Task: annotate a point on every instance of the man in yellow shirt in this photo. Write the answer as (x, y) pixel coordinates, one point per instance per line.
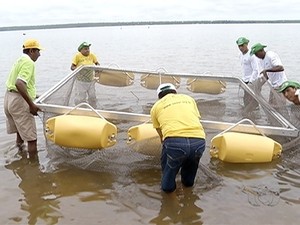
(177, 121)
(19, 106)
(85, 83)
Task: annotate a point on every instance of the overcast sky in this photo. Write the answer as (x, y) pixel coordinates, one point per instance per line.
(39, 12)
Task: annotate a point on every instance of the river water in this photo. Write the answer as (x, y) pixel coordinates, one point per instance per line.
(236, 194)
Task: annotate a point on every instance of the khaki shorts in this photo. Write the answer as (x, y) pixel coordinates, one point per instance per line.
(19, 119)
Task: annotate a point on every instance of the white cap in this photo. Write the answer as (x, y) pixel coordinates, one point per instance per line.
(164, 87)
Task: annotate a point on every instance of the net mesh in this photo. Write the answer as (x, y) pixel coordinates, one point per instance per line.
(228, 102)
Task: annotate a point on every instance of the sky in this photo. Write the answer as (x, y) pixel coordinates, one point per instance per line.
(44, 12)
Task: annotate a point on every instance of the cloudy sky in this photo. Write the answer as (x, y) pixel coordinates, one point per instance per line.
(38, 12)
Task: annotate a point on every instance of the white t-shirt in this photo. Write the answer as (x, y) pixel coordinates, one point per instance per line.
(298, 93)
(271, 60)
(250, 66)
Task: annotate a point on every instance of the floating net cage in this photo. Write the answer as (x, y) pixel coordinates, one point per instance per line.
(124, 98)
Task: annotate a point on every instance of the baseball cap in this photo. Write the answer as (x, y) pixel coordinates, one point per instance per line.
(165, 87)
(242, 40)
(287, 84)
(82, 45)
(257, 47)
(32, 43)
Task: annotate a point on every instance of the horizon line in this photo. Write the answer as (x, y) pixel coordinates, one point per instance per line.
(99, 24)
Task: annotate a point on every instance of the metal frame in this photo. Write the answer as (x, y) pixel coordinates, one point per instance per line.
(287, 128)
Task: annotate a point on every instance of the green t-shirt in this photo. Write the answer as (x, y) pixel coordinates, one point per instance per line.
(23, 69)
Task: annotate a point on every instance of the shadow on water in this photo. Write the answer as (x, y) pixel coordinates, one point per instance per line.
(179, 209)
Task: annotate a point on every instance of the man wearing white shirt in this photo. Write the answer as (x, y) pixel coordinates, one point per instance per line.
(249, 63)
(272, 66)
(291, 91)
(250, 69)
(273, 72)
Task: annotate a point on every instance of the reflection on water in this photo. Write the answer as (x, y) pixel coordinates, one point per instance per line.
(42, 191)
(137, 191)
(289, 176)
(179, 208)
(37, 193)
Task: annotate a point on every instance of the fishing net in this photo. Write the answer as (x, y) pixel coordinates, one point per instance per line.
(124, 98)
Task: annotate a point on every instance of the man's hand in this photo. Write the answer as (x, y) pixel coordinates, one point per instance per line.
(264, 73)
(34, 109)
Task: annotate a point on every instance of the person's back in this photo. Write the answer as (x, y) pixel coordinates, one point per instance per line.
(177, 121)
(178, 116)
(271, 60)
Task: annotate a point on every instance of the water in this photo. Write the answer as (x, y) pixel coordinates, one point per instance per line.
(248, 194)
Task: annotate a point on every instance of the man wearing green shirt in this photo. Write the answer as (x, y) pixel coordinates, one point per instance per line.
(19, 107)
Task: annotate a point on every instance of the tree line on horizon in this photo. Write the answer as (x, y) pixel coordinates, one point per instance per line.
(100, 24)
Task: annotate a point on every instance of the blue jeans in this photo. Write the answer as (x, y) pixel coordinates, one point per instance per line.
(184, 153)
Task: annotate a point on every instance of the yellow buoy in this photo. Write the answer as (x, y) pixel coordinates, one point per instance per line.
(84, 132)
(144, 139)
(206, 86)
(114, 78)
(244, 148)
(153, 81)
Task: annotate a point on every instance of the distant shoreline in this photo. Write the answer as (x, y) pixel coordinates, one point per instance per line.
(106, 24)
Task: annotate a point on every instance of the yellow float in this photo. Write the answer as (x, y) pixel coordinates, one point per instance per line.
(238, 147)
(77, 131)
(244, 148)
(206, 86)
(114, 78)
(153, 81)
(144, 139)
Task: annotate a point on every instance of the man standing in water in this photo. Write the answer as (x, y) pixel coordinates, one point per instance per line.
(273, 70)
(250, 67)
(85, 82)
(177, 121)
(19, 107)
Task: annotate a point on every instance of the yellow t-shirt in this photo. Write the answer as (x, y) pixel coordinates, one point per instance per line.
(177, 115)
(81, 60)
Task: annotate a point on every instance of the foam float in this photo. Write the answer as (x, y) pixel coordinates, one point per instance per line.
(151, 81)
(144, 139)
(206, 86)
(114, 78)
(84, 132)
(238, 147)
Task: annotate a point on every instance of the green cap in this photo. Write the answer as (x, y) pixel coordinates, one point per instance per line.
(257, 47)
(242, 40)
(287, 84)
(82, 45)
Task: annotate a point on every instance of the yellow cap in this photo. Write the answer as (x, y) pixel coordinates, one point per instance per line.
(32, 43)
